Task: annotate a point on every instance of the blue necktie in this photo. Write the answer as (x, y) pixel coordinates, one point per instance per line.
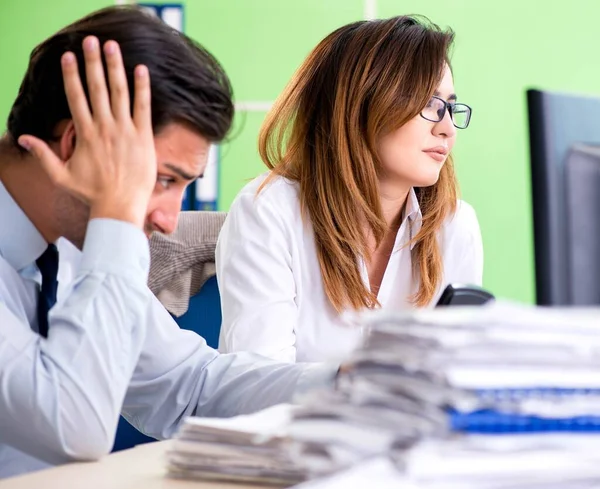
(48, 265)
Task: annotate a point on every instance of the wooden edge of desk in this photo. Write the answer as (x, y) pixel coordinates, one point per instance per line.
(143, 466)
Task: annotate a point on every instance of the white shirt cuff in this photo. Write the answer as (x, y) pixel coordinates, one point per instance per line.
(315, 376)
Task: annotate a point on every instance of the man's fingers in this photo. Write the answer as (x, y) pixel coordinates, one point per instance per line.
(142, 116)
(119, 91)
(96, 80)
(78, 104)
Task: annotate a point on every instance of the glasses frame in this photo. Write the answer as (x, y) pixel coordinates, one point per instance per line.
(450, 107)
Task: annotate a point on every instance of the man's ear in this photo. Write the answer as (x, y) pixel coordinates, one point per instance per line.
(68, 138)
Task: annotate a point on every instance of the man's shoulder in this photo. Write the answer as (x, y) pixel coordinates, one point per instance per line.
(8, 275)
(12, 288)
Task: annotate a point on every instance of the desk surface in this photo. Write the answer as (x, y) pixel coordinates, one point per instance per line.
(142, 467)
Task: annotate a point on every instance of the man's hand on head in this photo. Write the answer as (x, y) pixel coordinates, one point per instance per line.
(113, 165)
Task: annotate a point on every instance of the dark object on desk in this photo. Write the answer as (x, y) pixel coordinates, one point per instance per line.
(464, 295)
(565, 182)
(583, 200)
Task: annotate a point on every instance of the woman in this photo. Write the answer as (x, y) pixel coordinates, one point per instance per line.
(359, 208)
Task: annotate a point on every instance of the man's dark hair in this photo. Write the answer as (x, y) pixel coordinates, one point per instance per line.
(188, 84)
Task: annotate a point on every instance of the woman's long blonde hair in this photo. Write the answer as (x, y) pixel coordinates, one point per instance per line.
(361, 82)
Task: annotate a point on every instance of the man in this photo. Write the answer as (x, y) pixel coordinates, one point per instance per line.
(99, 171)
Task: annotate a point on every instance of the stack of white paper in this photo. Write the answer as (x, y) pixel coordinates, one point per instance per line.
(427, 382)
(244, 448)
(506, 461)
(495, 397)
(476, 462)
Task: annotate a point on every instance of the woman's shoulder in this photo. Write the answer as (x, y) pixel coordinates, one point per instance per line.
(463, 221)
(464, 212)
(269, 199)
(271, 191)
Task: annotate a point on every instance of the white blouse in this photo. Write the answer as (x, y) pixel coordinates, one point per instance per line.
(272, 296)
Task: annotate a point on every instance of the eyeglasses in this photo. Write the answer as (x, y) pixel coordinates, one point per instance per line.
(435, 111)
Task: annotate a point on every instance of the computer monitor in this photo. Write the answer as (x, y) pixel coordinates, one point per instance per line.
(565, 176)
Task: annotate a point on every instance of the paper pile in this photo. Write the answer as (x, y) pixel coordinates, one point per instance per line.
(465, 398)
(245, 449)
(495, 397)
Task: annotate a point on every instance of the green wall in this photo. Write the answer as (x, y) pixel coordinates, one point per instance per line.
(24, 24)
(502, 48)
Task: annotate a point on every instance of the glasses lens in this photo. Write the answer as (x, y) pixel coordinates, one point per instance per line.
(434, 111)
(461, 114)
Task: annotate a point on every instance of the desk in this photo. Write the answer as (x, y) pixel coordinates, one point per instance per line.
(141, 467)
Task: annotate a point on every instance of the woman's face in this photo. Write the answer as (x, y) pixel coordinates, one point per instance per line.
(414, 154)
